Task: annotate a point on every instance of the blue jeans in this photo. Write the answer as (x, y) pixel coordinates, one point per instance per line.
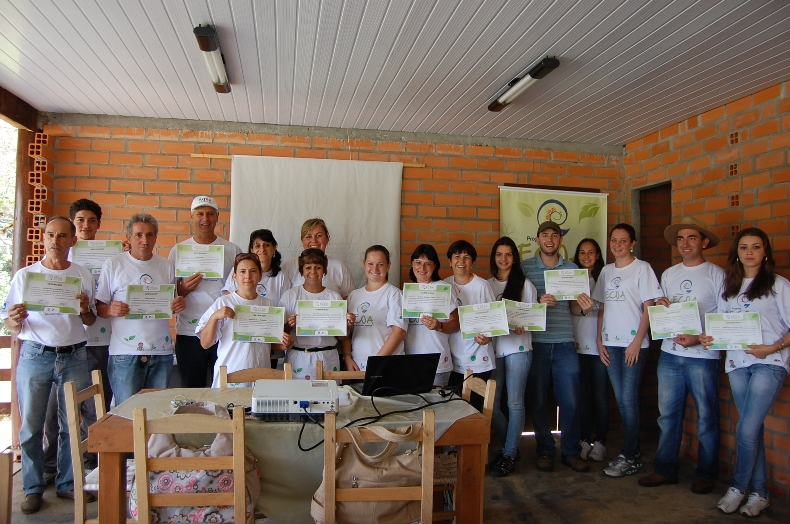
(129, 374)
(511, 372)
(626, 381)
(678, 376)
(754, 390)
(36, 371)
(560, 361)
(593, 399)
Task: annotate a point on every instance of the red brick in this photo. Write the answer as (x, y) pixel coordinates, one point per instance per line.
(236, 138)
(767, 94)
(291, 141)
(278, 151)
(418, 198)
(431, 211)
(164, 160)
(650, 139)
(566, 156)
(420, 147)
(766, 128)
(108, 145)
(770, 160)
(323, 142)
(109, 199)
(633, 146)
(680, 141)
(491, 164)
(394, 147)
(464, 212)
(509, 152)
(447, 174)
(355, 143)
(92, 157)
(537, 154)
(209, 175)
(126, 159)
(144, 147)
(162, 134)
(435, 185)
(714, 144)
(162, 188)
(480, 150)
(188, 161)
(463, 162)
(739, 105)
(713, 114)
(126, 186)
(780, 141)
(704, 132)
(80, 144)
(309, 153)
(55, 130)
(94, 132)
(416, 172)
(91, 184)
(746, 118)
(772, 194)
(354, 155)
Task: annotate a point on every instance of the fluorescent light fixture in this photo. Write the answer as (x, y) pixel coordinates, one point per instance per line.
(212, 53)
(518, 85)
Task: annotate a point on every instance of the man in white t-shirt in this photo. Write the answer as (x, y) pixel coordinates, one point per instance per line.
(141, 351)
(52, 351)
(685, 366)
(195, 364)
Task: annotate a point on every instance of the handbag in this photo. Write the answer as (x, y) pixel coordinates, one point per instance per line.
(356, 468)
(197, 481)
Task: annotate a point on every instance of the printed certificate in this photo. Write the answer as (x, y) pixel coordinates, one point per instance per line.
(321, 318)
(531, 317)
(567, 284)
(680, 318)
(258, 323)
(427, 299)
(149, 302)
(199, 258)
(93, 253)
(489, 319)
(733, 330)
(51, 294)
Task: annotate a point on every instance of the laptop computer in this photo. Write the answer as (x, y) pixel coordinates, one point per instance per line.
(399, 375)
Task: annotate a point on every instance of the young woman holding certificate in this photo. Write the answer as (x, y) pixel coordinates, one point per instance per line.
(216, 324)
(624, 291)
(379, 327)
(757, 374)
(273, 280)
(428, 334)
(513, 354)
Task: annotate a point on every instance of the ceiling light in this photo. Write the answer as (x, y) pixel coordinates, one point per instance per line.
(519, 85)
(212, 53)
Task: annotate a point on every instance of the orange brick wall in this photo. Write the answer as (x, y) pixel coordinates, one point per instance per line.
(729, 167)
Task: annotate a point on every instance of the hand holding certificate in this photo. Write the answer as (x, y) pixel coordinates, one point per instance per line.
(427, 299)
(258, 323)
(488, 319)
(321, 318)
(680, 318)
(199, 258)
(532, 317)
(733, 330)
(149, 302)
(567, 284)
(51, 294)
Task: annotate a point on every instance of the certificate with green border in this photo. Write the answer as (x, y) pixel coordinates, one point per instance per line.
(733, 330)
(199, 258)
(489, 319)
(52, 294)
(149, 301)
(321, 318)
(93, 253)
(531, 316)
(427, 299)
(258, 323)
(567, 284)
(680, 318)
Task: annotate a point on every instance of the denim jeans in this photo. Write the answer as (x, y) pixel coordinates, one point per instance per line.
(678, 376)
(754, 390)
(36, 371)
(129, 374)
(593, 399)
(560, 361)
(511, 372)
(195, 364)
(626, 382)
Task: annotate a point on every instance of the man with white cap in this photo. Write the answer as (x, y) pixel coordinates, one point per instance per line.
(685, 366)
(195, 364)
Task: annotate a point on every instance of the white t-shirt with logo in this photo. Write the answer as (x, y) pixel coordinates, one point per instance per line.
(585, 328)
(135, 337)
(269, 287)
(377, 312)
(234, 354)
(468, 354)
(420, 340)
(774, 312)
(209, 289)
(702, 283)
(50, 329)
(337, 278)
(512, 343)
(623, 291)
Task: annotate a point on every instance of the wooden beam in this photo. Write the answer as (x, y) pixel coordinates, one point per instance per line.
(17, 112)
(207, 155)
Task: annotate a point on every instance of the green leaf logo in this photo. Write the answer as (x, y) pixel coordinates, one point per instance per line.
(298, 370)
(473, 358)
(130, 338)
(167, 338)
(589, 211)
(525, 209)
(193, 321)
(334, 368)
(103, 330)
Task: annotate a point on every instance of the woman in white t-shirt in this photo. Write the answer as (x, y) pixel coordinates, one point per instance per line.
(379, 328)
(624, 291)
(593, 376)
(428, 334)
(273, 282)
(308, 350)
(216, 324)
(757, 374)
(513, 354)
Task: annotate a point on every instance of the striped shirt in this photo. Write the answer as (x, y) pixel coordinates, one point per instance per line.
(559, 327)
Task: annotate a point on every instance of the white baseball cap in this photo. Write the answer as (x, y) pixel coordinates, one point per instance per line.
(200, 201)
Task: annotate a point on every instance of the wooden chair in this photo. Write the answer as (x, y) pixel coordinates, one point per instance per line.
(83, 483)
(253, 374)
(186, 424)
(320, 374)
(423, 492)
(6, 482)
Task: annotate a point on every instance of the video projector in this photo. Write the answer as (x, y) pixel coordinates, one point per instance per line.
(292, 400)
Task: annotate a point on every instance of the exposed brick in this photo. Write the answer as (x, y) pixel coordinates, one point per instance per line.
(94, 132)
(108, 145)
(162, 134)
(126, 159)
(479, 150)
(144, 147)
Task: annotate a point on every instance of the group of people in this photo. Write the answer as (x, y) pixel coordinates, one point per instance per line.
(589, 343)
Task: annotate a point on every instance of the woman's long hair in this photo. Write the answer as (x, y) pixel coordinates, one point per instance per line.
(515, 279)
(429, 252)
(596, 270)
(264, 235)
(734, 274)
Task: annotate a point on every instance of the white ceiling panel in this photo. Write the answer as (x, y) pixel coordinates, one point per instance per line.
(627, 67)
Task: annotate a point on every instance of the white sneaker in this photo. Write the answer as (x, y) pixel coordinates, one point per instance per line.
(755, 505)
(598, 452)
(731, 500)
(586, 448)
(620, 467)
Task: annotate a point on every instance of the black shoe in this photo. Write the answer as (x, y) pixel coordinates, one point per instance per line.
(545, 463)
(576, 463)
(503, 467)
(89, 497)
(32, 503)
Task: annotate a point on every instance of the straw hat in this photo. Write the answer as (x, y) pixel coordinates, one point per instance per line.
(671, 232)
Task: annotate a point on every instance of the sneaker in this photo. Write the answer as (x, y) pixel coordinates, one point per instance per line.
(620, 467)
(638, 460)
(545, 463)
(576, 463)
(731, 500)
(586, 448)
(502, 468)
(598, 452)
(755, 505)
(32, 503)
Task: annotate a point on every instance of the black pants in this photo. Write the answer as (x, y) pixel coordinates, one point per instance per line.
(195, 364)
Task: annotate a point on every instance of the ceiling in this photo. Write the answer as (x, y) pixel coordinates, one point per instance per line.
(627, 68)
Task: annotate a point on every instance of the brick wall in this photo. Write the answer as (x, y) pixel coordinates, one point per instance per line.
(729, 167)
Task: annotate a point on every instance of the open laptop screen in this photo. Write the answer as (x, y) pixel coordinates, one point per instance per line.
(400, 374)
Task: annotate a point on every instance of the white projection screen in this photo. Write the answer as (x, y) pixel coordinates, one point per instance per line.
(359, 201)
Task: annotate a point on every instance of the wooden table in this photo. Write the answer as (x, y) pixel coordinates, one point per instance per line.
(111, 438)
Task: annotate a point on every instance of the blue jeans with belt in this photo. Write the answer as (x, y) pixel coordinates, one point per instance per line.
(131, 373)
